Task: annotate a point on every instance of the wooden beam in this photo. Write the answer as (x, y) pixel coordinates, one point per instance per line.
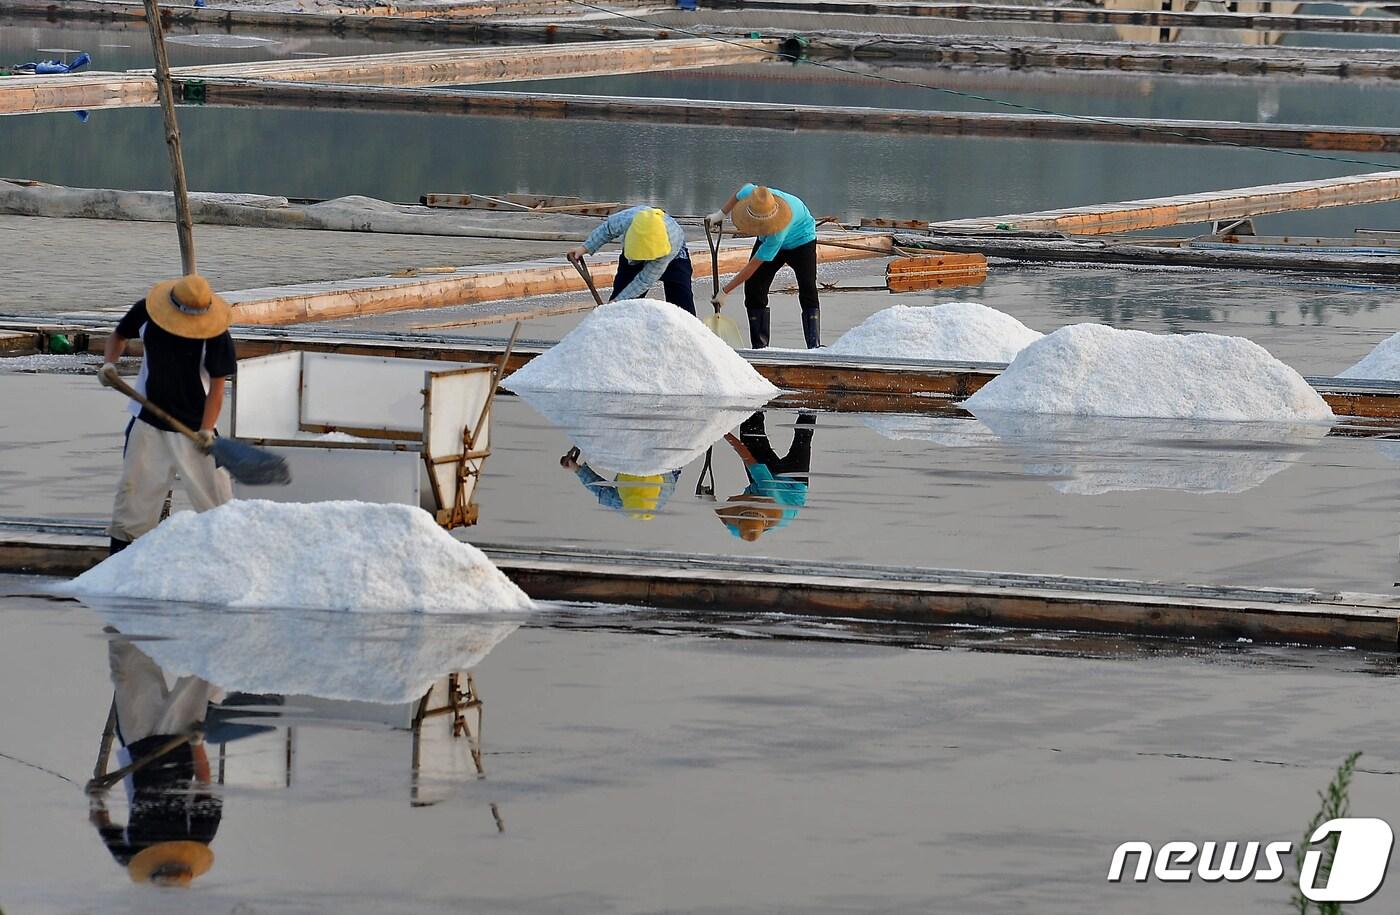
(774, 116)
(1159, 212)
(487, 283)
(1067, 15)
(75, 92)
(459, 66)
(907, 596)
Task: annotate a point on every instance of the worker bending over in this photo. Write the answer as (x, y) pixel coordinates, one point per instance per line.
(785, 235)
(653, 248)
(188, 354)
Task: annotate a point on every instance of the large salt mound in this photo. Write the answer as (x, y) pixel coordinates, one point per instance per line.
(325, 555)
(953, 331)
(1380, 364)
(1093, 370)
(640, 346)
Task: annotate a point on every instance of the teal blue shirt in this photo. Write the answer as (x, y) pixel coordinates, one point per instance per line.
(801, 229)
(788, 494)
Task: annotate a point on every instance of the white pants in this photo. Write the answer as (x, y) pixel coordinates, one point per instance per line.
(153, 458)
(145, 706)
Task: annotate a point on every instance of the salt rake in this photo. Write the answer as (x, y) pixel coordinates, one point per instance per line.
(582, 269)
(723, 327)
(246, 464)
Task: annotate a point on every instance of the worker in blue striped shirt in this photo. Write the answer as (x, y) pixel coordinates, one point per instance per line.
(653, 248)
(785, 234)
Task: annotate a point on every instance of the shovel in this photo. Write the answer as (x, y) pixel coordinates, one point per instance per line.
(723, 328)
(705, 486)
(246, 464)
(582, 269)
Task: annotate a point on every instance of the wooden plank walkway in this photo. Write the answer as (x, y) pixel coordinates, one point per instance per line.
(75, 92)
(280, 305)
(460, 66)
(1159, 212)
(1068, 15)
(907, 596)
(243, 93)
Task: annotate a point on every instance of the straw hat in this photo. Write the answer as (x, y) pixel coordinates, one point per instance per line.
(761, 213)
(187, 307)
(171, 863)
(750, 519)
(646, 237)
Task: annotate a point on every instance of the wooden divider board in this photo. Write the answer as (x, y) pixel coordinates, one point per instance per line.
(927, 271)
(1154, 213)
(483, 283)
(457, 66)
(75, 92)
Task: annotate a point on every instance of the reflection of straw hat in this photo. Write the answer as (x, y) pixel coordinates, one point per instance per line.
(761, 213)
(187, 307)
(753, 515)
(646, 237)
(171, 863)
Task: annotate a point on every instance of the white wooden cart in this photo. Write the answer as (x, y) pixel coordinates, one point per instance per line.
(369, 428)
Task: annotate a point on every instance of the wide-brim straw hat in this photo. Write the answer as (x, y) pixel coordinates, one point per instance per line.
(761, 213)
(171, 863)
(750, 517)
(187, 307)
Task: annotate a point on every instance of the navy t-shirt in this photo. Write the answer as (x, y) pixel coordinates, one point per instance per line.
(176, 370)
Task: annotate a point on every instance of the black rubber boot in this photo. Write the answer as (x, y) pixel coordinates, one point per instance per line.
(116, 546)
(812, 328)
(758, 329)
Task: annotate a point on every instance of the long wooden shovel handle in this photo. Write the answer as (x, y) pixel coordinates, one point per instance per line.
(115, 380)
(713, 242)
(582, 269)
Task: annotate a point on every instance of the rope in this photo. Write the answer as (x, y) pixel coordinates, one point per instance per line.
(1005, 103)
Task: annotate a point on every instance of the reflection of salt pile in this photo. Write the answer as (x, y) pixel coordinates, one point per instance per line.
(379, 658)
(1381, 363)
(1094, 455)
(642, 347)
(640, 435)
(948, 431)
(953, 331)
(332, 555)
(1093, 370)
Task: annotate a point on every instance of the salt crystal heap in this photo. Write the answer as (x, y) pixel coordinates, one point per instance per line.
(321, 555)
(953, 331)
(1380, 364)
(1093, 370)
(640, 346)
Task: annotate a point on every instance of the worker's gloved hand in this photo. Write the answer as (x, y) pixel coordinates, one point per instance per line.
(106, 374)
(717, 300)
(576, 254)
(206, 439)
(715, 219)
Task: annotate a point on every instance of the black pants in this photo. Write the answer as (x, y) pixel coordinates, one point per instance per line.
(803, 261)
(797, 463)
(676, 280)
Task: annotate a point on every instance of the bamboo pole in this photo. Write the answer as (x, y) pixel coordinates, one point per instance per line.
(183, 220)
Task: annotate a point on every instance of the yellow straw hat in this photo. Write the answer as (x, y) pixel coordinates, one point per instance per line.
(646, 237)
(761, 213)
(187, 307)
(171, 863)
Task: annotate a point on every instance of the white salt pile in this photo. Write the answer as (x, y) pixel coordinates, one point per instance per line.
(1093, 370)
(327, 555)
(1380, 364)
(953, 331)
(640, 346)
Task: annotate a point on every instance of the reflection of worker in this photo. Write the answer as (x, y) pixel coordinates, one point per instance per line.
(777, 485)
(653, 248)
(183, 328)
(785, 235)
(640, 496)
(172, 817)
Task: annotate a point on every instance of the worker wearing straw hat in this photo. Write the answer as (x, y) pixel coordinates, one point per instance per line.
(777, 487)
(785, 235)
(653, 249)
(188, 354)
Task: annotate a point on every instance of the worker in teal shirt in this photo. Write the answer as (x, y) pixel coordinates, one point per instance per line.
(777, 487)
(785, 235)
